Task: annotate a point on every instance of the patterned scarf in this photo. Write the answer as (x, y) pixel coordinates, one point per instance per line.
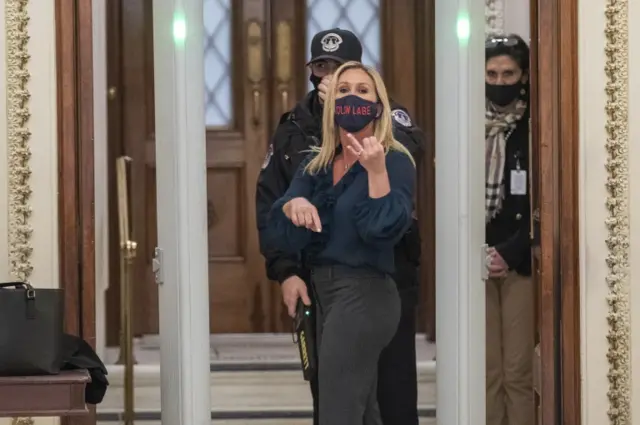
(498, 127)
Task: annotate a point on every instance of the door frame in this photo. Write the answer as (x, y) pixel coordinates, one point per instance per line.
(558, 134)
(76, 228)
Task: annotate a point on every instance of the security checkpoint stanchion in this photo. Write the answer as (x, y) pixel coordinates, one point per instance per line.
(460, 176)
(181, 261)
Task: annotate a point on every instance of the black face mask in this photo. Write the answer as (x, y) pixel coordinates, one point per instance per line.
(354, 113)
(502, 94)
(315, 80)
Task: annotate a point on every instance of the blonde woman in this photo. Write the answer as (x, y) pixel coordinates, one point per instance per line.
(349, 204)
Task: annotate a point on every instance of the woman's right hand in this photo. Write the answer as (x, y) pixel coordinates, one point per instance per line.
(302, 213)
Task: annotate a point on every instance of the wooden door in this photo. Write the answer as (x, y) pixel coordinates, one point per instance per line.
(255, 55)
(236, 115)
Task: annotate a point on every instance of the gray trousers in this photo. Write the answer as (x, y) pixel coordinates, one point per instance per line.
(357, 315)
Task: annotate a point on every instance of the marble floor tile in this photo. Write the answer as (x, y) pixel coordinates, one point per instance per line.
(245, 348)
(246, 391)
(250, 391)
(423, 421)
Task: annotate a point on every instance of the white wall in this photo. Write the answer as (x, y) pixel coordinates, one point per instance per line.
(43, 144)
(510, 16)
(516, 18)
(594, 213)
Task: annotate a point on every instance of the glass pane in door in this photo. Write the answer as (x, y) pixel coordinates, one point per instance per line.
(218, 105)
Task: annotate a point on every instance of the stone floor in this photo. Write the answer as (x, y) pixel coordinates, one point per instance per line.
(273, 348)
(423, 421)
(255, 380)
(249, 392)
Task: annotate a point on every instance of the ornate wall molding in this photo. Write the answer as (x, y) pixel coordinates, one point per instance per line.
(18, 137)
(617, 126)
(494, 17)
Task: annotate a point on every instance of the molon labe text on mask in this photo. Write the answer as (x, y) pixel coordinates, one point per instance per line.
(362, 110)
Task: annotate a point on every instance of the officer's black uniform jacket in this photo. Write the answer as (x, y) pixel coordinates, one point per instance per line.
(509, 231)
(296, 131)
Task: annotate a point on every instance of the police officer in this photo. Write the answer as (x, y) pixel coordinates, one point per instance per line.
(296, 131)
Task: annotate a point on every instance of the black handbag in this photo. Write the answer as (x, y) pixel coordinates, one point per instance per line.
(305, 332)
(31, 330)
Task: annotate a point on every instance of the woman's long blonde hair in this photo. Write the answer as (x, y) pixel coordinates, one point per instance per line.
(383, 126)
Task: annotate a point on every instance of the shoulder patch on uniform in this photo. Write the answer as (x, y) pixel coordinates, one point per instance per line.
(401, 117)
(267, 158)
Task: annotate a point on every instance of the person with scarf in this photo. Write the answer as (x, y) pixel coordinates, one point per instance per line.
(509, 289)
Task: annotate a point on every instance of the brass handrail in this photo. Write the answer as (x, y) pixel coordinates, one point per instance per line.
(127, 257)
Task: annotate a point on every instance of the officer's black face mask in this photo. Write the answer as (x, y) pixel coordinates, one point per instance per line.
(503, 94)
(354, 113)
(315, 80)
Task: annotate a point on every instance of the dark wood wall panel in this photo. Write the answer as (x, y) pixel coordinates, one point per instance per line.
(75, 150)
(399, 53)
(425, 114)
(76, 158)
(69, 232)
(568, 200)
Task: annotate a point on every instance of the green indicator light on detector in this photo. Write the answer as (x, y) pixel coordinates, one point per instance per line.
(463, 28)
(179, 28)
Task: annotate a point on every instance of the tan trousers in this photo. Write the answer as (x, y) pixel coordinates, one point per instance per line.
(510, 341)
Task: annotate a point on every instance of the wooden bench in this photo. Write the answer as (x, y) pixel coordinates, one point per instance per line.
(50, 395)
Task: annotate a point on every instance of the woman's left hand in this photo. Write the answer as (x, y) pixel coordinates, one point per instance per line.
(370, 153)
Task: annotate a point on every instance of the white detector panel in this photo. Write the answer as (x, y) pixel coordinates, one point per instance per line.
(460, 234)
(182, 223)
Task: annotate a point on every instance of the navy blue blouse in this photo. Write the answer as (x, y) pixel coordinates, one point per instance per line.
(357, 230)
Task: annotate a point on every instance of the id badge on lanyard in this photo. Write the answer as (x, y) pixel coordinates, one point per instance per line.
(518, 180)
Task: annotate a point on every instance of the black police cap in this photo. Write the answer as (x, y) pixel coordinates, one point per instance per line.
(336, 44)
